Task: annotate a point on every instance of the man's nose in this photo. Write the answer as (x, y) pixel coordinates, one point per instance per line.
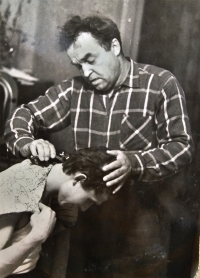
(86, 69)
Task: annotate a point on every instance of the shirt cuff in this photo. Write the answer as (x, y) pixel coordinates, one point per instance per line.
(137, 164)
(21, 143)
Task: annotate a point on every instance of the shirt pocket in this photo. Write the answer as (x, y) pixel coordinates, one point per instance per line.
(136, 132)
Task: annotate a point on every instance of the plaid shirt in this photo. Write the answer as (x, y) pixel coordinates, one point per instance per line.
(145, 117)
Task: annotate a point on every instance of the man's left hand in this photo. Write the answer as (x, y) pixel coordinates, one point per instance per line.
(121, 170)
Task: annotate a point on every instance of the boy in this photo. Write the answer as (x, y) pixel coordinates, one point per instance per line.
(26, 219)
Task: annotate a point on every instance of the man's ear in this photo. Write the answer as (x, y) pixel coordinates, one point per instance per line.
(79, 178)
(115, 47)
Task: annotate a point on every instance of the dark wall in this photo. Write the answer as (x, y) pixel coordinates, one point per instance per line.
(160, 32)
(170, 38)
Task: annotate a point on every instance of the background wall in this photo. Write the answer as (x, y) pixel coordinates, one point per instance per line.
(40, 21)
(20, 18)
(170, 38)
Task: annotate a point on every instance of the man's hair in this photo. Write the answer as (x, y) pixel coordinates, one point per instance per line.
(103, 29)
(90, 161)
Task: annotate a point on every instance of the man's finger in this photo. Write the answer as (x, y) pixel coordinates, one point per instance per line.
(37, 150)
(117, 180)
(43, 150)
(118, 188)
(113, 152)
(111, 166)
(52, 150)
(113, 175)
(46, 150)
(25, 150)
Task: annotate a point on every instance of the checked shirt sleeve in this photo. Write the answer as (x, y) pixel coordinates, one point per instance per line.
(174, 142)
(48, 112)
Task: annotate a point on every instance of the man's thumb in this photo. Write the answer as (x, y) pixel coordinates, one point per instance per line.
(25, 150)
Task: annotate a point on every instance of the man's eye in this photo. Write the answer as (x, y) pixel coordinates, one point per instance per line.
(91, 61)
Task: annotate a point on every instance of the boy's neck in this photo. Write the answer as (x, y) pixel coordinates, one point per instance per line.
(54, 179)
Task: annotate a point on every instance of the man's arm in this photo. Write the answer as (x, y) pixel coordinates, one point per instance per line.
(11, 257)
(174, 142)
(48, 112)
(175, 146)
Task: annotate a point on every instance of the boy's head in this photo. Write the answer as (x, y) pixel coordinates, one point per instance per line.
(85, 166)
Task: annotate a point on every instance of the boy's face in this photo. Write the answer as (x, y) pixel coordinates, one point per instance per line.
(75, 194)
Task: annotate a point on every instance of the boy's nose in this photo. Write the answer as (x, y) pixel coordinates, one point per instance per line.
(100, 202)
(86, 205)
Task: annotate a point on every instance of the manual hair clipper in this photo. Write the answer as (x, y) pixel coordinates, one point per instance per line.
(62, 157)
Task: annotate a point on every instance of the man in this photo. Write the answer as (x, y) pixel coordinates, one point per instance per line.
(138, 111)
(26, 219)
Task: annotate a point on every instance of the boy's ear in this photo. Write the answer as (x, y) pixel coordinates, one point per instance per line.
(80, 177)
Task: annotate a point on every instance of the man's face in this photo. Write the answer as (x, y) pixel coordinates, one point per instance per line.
(99, 67)
(78, 196)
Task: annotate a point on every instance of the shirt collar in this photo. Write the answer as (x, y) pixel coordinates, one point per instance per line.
(132, 78)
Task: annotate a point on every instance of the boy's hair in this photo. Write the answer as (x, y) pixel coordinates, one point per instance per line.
(90, 161)
(103, 29)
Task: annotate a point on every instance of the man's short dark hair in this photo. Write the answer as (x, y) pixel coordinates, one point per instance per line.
(90, 161)
(103, 29)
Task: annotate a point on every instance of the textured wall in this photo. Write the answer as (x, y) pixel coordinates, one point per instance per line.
(26, 23)
(170, 38)
(48, 58)
(41, 19)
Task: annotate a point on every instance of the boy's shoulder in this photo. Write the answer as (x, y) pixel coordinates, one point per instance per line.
(21, 187)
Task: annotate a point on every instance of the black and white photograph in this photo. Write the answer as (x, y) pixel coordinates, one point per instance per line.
(99, 138)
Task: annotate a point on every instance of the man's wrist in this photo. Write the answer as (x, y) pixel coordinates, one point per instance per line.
(21, 147)
(136, 162)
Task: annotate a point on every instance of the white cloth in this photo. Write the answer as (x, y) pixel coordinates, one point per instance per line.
(22, 186)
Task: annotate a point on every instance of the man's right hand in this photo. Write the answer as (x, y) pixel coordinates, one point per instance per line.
(39, 148)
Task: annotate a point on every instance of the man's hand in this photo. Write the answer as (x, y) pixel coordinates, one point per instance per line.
(39, 148)
(121, 170)
(42, 223)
